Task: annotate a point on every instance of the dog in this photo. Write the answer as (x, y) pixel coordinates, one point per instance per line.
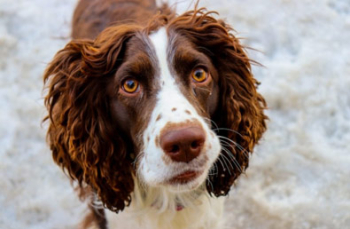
(152, 112)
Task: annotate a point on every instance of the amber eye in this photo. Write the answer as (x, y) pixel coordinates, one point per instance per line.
(199, 75)
(130, 85)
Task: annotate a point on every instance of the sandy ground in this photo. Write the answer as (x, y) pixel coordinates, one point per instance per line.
(299, 174)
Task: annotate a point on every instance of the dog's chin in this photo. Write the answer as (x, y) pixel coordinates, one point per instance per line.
(186, 182)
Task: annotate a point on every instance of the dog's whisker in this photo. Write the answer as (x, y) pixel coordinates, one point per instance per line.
(137, 160)
(234, 160)
(227, 144)
(210, 183)
(230, 155)
(213, 170)
(219, 160)
(246, 153)
(225, 158)
(224, 164)
(227, 129)
(211, 122)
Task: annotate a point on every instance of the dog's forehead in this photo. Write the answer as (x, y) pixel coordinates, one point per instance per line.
(159, 41)
(153, 49)
(174, 54)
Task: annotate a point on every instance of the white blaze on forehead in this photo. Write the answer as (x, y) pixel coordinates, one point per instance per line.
(169, 94)
(160, 43)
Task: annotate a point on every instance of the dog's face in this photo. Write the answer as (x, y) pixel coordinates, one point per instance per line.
(174, 105)
(167, 93)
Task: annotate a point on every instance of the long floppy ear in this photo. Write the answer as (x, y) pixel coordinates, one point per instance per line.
(240, 117)
(82, 137)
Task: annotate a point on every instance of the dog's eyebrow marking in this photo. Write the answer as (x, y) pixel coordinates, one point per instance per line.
(174, 109)
(188, 112)
(148, 138)
(159, 117)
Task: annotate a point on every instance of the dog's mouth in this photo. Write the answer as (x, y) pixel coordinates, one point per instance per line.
(185, 177)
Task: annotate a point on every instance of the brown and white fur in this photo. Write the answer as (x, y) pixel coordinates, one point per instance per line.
(152, 112)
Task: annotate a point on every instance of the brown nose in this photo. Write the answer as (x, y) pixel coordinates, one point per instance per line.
(183, 145)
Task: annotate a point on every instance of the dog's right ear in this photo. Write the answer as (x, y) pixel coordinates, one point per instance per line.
(81, 134)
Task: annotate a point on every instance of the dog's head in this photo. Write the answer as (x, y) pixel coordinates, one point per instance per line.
(173, 104)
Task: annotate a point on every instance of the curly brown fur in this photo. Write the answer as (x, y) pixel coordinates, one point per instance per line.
(82, 135)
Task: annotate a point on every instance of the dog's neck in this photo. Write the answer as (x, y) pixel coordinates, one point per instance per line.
(159, 208)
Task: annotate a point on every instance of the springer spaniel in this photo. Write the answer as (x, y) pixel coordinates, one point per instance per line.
(152, 111)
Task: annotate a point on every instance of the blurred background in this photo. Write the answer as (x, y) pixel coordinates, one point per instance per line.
(299, 176)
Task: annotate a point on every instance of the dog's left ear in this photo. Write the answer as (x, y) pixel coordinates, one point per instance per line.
(83, 138)
(240, 117)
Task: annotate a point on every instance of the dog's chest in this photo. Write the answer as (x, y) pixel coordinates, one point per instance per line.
(206, 215)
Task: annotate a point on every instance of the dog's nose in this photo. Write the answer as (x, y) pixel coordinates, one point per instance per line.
(184, 144)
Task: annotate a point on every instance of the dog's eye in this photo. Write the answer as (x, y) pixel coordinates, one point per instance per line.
(131, 86)
(199, 75)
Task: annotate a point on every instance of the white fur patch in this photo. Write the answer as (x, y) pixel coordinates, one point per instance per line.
(171, 106)
(200, 212)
